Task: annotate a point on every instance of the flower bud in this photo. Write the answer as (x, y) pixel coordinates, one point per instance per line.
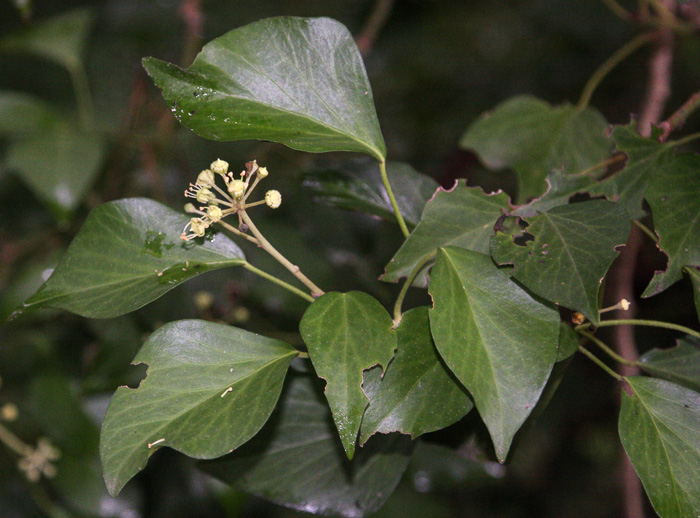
(189, 207)
(237, 188)
(206, 178)
(219, 166)
(214, 213)
(273, 199)
(262, 172)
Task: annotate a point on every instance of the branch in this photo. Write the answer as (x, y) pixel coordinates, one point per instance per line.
(373, 25)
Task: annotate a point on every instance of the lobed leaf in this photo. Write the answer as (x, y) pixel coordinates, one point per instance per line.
(347, 333)
(418, 393)
(297, 460)
(660, 431)
(498, 341)
(569, 253)
(463, 216)
(674, 197)
(694, 273)
(127, 254)
(209, 388)
(680, 364)
(297, 81)
(533, 138)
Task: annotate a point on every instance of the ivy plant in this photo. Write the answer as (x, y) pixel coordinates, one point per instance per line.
(330, 428)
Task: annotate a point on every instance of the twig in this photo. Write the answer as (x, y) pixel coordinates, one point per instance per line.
(677, 120)
(659, 82)
(373, 25)
(191, 13)
(604, 69)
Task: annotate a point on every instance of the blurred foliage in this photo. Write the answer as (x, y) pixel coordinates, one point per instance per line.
(434, 68)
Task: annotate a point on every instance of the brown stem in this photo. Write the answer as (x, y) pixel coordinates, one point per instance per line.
(373, 25)
(191, 13)
(622, 276)
(677, 120)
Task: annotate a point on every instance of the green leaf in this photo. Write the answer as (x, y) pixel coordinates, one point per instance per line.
(694, 273)
(347, 333)
(568, 342)
(127, 254)
(22, 114)
(297, 81)
(209, 389)
(499, 341)
(58, 163)
(660, 430)
(627, 186)
(297, 460)
(645, 156)
(571, 250)
(463, 216)
(358, 186)
(680, 364)
(60, 38)
(674, 197)
(417, 394)
(533, 137)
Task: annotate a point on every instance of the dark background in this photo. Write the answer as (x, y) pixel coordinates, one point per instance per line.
(436, 65)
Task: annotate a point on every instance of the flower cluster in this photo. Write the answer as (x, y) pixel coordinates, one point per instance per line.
(217, 203)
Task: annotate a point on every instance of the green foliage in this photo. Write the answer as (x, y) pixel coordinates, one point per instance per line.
(674, 197)
(570, 250)
(497, 275)
(533, 138)
(298, 461)
(127, 254)
(297, 81)
(463, 216)
(416, 382)
(680, 364)
(660, 430)
(347, 333)
(202, 377)
(498, 340)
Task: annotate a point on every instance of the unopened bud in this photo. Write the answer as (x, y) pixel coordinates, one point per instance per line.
(625, 304)
(577, 318)
(206, 178)
(189, 207)
(219, 166)
(273, 199)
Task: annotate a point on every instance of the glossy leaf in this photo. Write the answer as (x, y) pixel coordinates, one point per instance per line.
(571, 250)
(463, 216)
(674, 197)
(127, 254)
(498, 341)
(533, 137)
(680, 364)
(626, 186)
(298, 81)
(347, 333)
(358, 186)
(297, 460)
(660, 430)
(645, 156)
(60, 38)
(694, 273)
(209, 388)
(418, 393)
